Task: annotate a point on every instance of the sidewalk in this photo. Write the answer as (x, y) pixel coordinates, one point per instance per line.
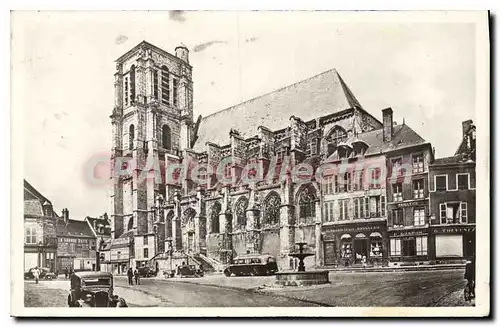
(396, 269)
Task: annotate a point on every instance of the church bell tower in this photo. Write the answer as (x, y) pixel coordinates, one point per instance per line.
(151, 124)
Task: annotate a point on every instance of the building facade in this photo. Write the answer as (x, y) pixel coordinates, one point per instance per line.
(101, 228)
(453, 200)
(208, 202)
(40, 242)
(76, 244)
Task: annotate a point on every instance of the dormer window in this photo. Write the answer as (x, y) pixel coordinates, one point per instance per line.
(359, 147)
(343, 150)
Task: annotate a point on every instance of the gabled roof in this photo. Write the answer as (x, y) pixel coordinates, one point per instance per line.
(318, 96)
(73, 228)
(33, 207)
(30, 193)
(403, 136)
(34, 201)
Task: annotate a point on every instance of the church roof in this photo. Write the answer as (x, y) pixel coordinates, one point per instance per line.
(317, 96)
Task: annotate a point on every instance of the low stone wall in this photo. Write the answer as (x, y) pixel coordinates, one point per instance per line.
(302, 278)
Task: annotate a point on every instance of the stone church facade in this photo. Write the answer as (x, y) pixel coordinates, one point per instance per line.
(341, 213)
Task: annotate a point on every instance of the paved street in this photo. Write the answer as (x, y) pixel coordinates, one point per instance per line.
(424, 288)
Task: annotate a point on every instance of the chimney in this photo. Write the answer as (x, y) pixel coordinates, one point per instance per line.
(65, 213)
(387, 123)
(465, 127)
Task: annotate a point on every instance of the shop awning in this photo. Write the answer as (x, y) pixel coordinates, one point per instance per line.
(376, 234)
(345, 236)
(360, 235)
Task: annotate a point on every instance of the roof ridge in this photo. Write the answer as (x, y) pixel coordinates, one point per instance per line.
(274, 91)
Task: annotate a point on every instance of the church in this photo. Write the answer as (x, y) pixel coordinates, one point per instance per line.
(358, 209)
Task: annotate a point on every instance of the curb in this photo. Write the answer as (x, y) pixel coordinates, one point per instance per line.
(411, 268)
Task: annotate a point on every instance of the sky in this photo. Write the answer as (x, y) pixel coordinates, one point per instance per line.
(63, 70)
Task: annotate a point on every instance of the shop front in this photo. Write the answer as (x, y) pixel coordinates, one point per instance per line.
(355, 245)
(409, 245)
(450, 243)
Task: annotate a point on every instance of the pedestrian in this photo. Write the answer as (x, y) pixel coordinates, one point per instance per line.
(36, 274)
(136, 275)
(66, 273)
(470, 276)
(130, 275)
(363, 260)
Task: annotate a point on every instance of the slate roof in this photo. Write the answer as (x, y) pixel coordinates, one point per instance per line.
(127, 234)
(402, 136)
(447, 160)
(74, 228)
(97, 221)
(320, 95)
(459, 158)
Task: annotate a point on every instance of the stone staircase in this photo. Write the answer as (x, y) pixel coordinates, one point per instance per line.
(209, 264)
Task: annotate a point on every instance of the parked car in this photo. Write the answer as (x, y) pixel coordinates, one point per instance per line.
(252, 265)
(189, 271)
(146, 272)
(91, 289)
(45, 273)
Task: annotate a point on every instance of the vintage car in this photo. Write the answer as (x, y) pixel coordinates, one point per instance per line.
(252, 265)
(91, 289)
(45, 273)
(189, 271)
(146, 272)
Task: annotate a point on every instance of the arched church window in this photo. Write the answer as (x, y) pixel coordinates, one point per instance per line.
(170, 217)
(131, 136)
(337, 135)
(271, 207)
(165, 86)
(307, 204)
(240, 210)
(132, 84)
(214, 217)
(166, 137)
